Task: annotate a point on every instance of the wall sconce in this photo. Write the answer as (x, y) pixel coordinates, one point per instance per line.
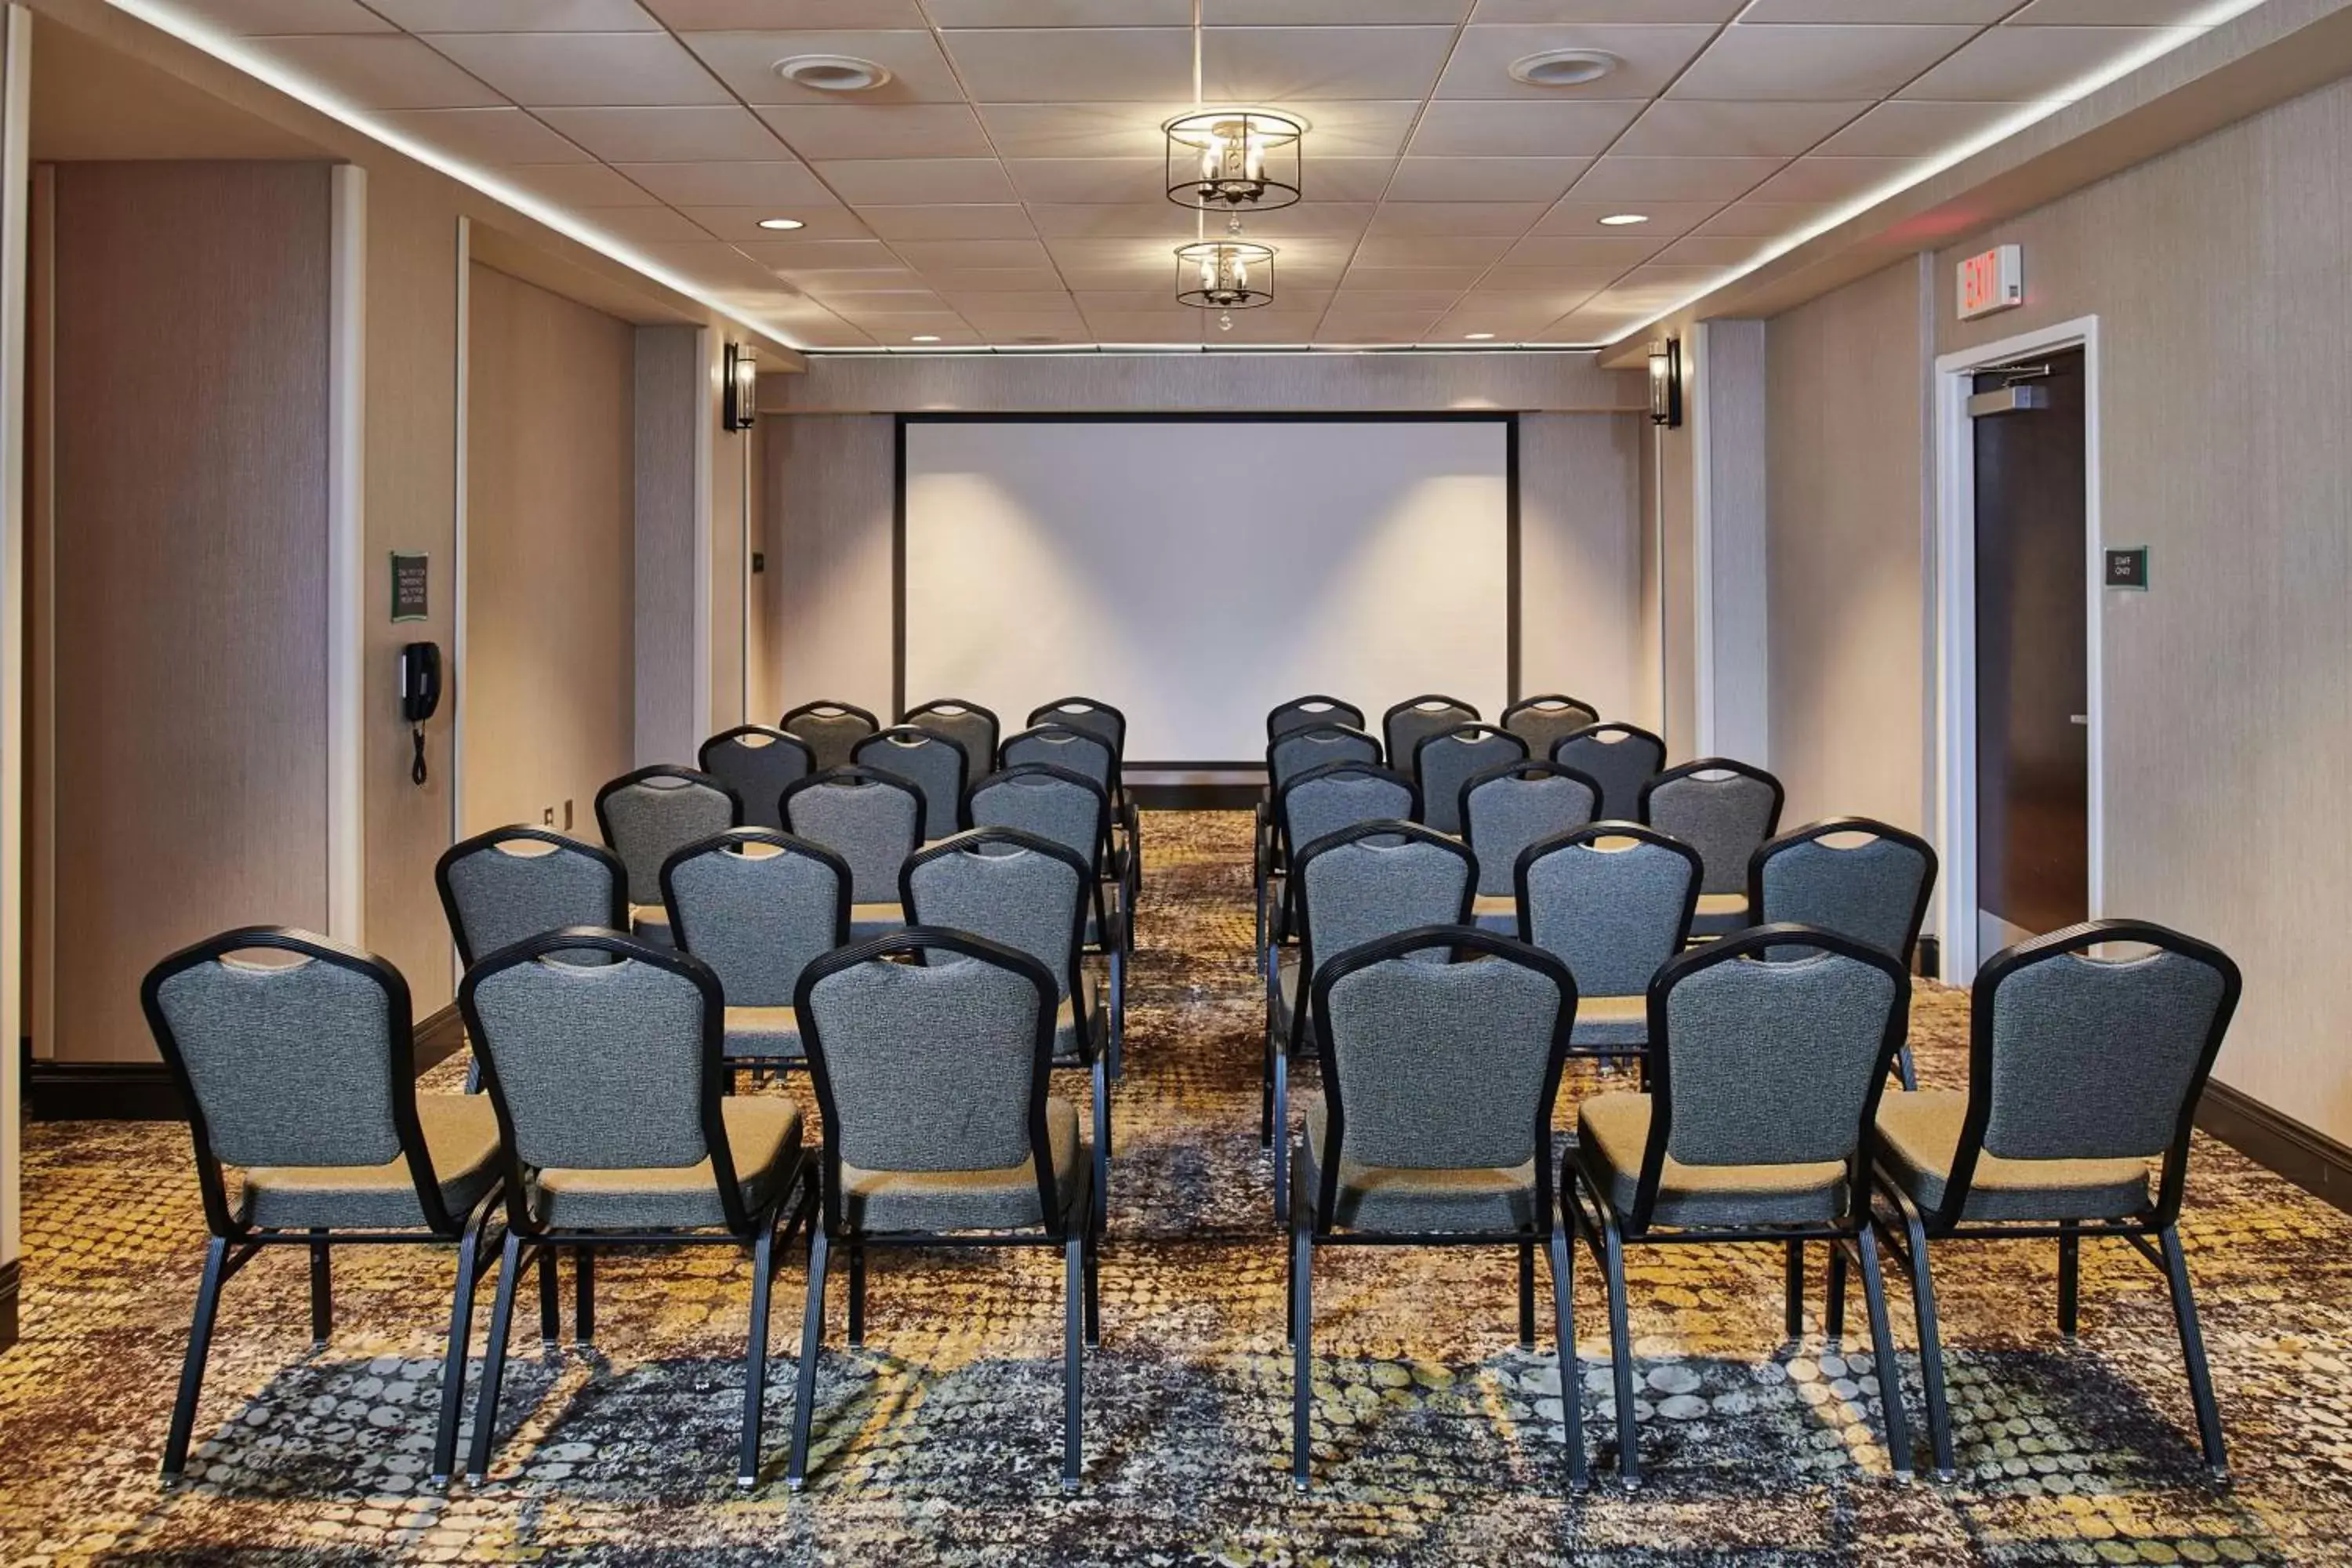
(740, 402)
(1666, 382)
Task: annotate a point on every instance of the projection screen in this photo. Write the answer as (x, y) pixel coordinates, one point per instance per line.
(1194, 572)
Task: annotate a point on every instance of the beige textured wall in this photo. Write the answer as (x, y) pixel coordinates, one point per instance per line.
(829, 481)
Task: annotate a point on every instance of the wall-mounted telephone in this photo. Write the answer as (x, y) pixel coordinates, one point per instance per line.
(420, 694)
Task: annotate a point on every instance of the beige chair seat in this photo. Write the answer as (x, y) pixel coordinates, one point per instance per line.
(461, 1134)
(1000, 1199)
(875, 920)
(1496, 912)
(765, 1032)
(1918, 1133)
(1612, 1021)
(1066, 1023)
(1612, 1130)
(763, 1138)
(1716, 906)
(1418, 1198)
(650, 922)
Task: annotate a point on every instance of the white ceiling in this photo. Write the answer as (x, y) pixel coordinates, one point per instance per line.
(1005, 186)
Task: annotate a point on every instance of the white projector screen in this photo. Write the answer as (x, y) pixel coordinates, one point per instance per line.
(1194, 573)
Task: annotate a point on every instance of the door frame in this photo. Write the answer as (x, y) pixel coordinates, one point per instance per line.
(1956, 630)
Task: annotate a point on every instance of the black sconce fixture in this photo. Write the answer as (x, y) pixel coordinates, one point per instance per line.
(1666, 382)
(740, 405)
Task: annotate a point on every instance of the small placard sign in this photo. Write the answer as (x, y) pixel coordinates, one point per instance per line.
(1992, 281)
(409, 580)
(2127, 568)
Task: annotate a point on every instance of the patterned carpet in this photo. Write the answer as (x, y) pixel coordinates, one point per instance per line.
(1438, 1439)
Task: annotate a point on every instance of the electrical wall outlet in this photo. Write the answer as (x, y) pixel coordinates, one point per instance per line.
(547, 816)
(567, 814)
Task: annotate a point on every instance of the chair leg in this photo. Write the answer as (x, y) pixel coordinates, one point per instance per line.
(584, 1296)
(1882, 1346)
(2069, 1279)
(1102, 1139)
(1931, 1345)
(1621, 1358)
(550, 1301)
(323, 1292)
(1302, 1343)
(1094, 1284)
(473, 1073)
(2192, 1352)
(755, 1355)
(1905, 1070)
(453, 1363)
(1117, 1010)
(494, 1361)
(857, 1295)
(1074, 1271)
(1794, 1316)
(1527, 1295)
(191, 1371)
(1834, 1312)
(812, 1342)
(1281, 1135)
(1571, 1381)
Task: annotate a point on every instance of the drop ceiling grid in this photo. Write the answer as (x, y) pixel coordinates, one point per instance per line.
(1016, 169)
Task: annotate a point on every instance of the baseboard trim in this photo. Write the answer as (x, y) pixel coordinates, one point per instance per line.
(11, 1273)
(2303, 1155)
(439, 1038)
(1196, 796)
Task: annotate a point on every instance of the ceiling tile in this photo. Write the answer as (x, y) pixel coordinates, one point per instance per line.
(1766, 220)
(1596, 323)
(1307, 220)
(1833, 179)
(1174, 325)
(1562, 288)
(648, 226)
(1507, 220)
(792, 257)
(741, 225)
(995, 220)
(879, 131)
(906, 181)
(1277, 64)
(1346, 179)
(1358, 127)
(1481, 63)
(251, 17)
(1328, 13)
(2019, 64)
(1120, 179)
(668, 135)
(544, 69)
(1393, 301)
(518, 16)
(1915, 128)
(2110, 12)
(1689, 127)
(1033, 64)
(1490, 323)
(1606, 10)
(712, 263)
(1898, 11)
(1112, 220)
(1030, 302)
(1485, 179)
(928, 255)
(821, 283)
(1401, 279)
(1348, 328)
(586, 185)
(1583, 250)
(1078, 129)
(1571, 128)
(1579, 214)
(1061, 13)
(1751, 61)
(485, 135)
(1634, 180)
(746, 62)
(778, 186)
(688, 15)
(1420, 250)
(1713, 249)
(379, 71)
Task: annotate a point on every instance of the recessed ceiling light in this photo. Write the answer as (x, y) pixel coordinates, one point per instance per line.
(1478, 337)
(833, 73)
(784, 223)
(924, 338)
(1618, 220)
(1564, 68)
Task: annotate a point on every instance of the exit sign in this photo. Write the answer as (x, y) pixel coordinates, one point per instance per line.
(1992, 281)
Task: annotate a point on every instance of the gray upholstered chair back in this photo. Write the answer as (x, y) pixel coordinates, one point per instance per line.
(1405, 726)
(1622, 757)
(1545, 721)
(1079, 751)
(1442, 1065)
(931, 762)
(926, 1066)
(1506, 808)
(872, 822)
(652, 813)
(1443, 763)
(1321, 801)
(759, 764)
(968, 724)
(1723, 809)
(1099, 719)
(1021, 895)
(1772, 1063)
(1301, 751)
(1057, 805)
(1307, 712)
(1613, 906)
(1376, 879)
(832, 731)
(757, 907)
(500, 887)
(1864, 878)
(598, 1066)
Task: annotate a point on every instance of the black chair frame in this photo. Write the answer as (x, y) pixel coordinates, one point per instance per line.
(1632, 733)
(913, 719)
(1523, 870)
(660, 771)
(1526, 767)
(774, 736)
(898, 734)
(734, 838)
(1275, 920)
(825, 705)
(1475, 729)
(855, 772)
(1335, 706)
(1713, 765)
(1389, 718)
(1547, 698)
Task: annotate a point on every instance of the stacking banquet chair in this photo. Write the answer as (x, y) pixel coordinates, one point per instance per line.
(1287, 756)
(647, 817)
(1850, 874)
(931, 1076)
(1362, 883)
(1623, 757)
(968, 724)
(1089, 754)
(610, 1095)
(1099, 719)
(2083, 1068)
(1405, 726)
(503, 886)
(759, 764)
(1307, 712)
(1434, 1127)
(1066, 808)
(873, 820)
(1725, 810)
(1029, 894)
(1755, 1124)
(1502, 810)
(758, 906)
(931, 761)
(830, 730)
(1319, 801)
(293, 1056)
(1545, 721)
(1444, 762)
(1614, 902)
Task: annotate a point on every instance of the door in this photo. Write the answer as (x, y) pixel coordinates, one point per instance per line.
(2033, 684)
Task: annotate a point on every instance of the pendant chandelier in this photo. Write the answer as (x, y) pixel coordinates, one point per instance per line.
(1234, 160)
(1224, 275)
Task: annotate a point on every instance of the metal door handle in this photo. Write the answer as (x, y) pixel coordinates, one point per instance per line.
(2078, 718)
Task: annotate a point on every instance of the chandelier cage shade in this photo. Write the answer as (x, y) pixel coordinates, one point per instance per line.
(1224, 275)
(740, 397)
(1234, 160)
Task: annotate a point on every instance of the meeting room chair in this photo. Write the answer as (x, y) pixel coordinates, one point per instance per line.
(1097, 718)
(294, 1057)
(1287, 756)
(934, 765)
(1623, 757)
(1505, 808)
(1442, 1052)
(1306, 712)
(1444, 762)
(1405, 726)
(609, 1086)
(1066, 808)
(968, 724)
(648, 815)
(759, 764)
(2085, 1067)
(1357, 884)
(830, 729)
(1614, 902)
(1029, 894)
(1317, 802)
(1725, 810)
(1089, 754)
(1850, 874)
(1755, 1125)
(939, 1131)
(1545, 721)
(758, 906)
(873, 820)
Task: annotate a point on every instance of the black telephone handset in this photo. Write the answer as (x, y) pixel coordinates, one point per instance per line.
(420, 694)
